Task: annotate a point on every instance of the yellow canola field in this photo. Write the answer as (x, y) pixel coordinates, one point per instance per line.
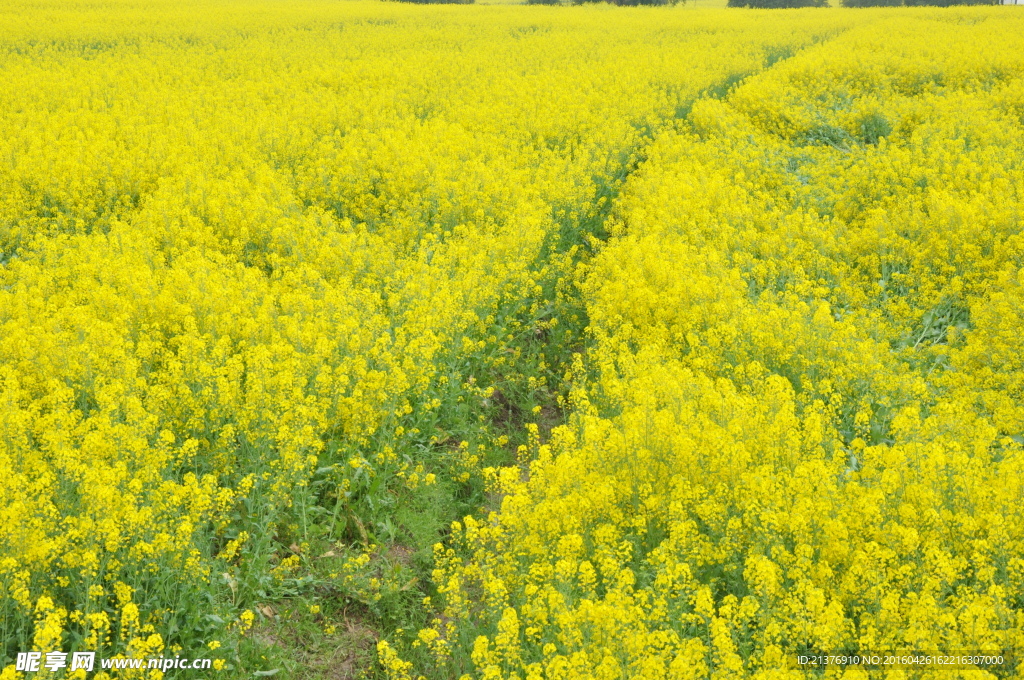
(244, 242)
(799, 428)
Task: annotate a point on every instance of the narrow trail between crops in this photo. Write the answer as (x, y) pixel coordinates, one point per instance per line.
(592, 235)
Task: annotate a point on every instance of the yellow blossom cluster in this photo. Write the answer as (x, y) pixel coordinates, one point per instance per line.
(800, 428)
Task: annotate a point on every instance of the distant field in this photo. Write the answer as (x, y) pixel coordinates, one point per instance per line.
(348, 339)
(692, 4)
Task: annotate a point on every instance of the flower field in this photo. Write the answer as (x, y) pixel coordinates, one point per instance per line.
(348, 339)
